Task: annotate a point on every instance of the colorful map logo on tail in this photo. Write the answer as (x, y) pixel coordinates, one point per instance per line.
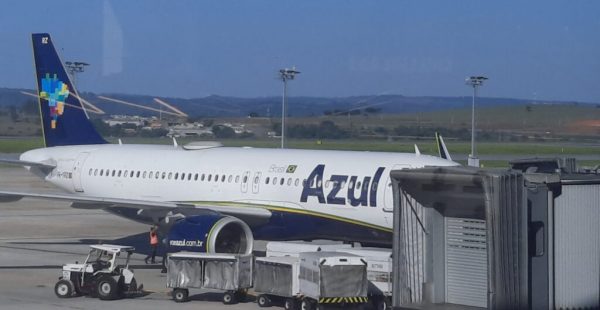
(56, 92)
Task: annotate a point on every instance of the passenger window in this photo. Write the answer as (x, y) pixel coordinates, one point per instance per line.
(157, 174)
(358, 184)
(351, 185)
(274, 180)
(144, 175)
(319, 183)
(230, 178)
(196, 177)
(189, 176)
(176, 175)
(281, 181)
(131, 174)
(90, 173)
(209, 177)
(101, 172)
(170, 175)
(297, 182)
(223, 178)
(256, 180)
(216, 178)
(137, 174)
(95, 172)
(113, 173)
(237, 179)
(267, 180)
(125, 173)
(119, 175)
(289, 182)
(202, 177)
(150, 174)
(245, 179)
(327, 184)
(164, 174)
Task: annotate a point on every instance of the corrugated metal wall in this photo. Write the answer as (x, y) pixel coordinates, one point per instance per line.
(413, 239)
(577, 247)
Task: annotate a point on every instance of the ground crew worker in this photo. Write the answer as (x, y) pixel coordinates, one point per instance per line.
(153, 245)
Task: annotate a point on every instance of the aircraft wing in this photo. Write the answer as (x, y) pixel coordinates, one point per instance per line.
(92, 202)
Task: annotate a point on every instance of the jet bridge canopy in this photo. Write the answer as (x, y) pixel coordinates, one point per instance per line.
(460, 238)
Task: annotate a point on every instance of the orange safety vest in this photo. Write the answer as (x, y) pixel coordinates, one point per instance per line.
(153, 238)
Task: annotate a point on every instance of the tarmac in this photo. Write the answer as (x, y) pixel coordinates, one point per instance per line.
(38, 236)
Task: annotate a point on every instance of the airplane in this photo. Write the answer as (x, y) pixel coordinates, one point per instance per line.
(204, 196)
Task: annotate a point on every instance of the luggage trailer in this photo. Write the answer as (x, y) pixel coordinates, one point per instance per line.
(332, 278)
(231, 273)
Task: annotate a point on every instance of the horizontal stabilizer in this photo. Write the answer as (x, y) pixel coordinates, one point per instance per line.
(16, 161)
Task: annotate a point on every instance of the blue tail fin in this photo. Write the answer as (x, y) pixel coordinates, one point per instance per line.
(64, 119)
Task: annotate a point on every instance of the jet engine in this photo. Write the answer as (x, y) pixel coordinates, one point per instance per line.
(211, 233)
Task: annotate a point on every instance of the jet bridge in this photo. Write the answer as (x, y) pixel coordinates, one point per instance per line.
(497, 239)
(460, 238)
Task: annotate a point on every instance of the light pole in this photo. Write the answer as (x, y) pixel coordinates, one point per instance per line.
(285, 75)
(475, 82)
(75, 67)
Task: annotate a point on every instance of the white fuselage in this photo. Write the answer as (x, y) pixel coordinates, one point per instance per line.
(237, 176)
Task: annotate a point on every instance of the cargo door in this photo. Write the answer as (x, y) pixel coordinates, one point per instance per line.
(466, 262)
(77, 167)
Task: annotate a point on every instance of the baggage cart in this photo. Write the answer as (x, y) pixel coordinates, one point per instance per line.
(379, 274)
(276, 279)
(332, 278)
(231, 273)
(294, 248)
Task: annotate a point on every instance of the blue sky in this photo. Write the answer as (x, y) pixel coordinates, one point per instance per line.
(529, 49)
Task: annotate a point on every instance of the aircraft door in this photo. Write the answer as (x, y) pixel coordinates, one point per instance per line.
(77, 167)
(388, 194)
(245, 180)
(256, 182)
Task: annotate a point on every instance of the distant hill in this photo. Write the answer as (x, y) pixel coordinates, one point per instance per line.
(223, 106)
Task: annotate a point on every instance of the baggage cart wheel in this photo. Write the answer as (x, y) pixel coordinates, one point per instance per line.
(107, 288)
(180, 295)
(307, 304)
(64, 288)
(383, 303)
(229, 298)
(263, 301)
(290, 304)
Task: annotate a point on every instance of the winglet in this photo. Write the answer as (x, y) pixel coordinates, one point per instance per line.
(442, 149)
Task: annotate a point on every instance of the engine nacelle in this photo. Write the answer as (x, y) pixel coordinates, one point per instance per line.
(210, 233)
